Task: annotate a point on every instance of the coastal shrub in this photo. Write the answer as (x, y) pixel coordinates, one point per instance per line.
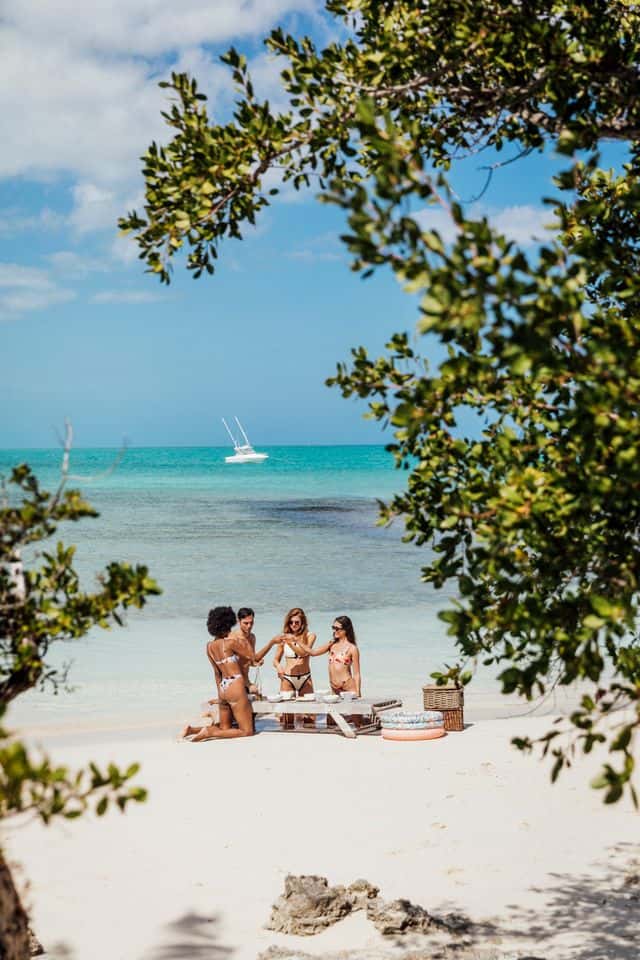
(533, 513)
(42, 602)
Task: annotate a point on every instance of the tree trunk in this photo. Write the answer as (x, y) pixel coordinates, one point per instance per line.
(14, 923)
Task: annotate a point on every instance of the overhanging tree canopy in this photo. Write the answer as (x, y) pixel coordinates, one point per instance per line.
(536, 517)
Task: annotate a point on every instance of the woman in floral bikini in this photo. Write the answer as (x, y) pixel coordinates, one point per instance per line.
(344, 657)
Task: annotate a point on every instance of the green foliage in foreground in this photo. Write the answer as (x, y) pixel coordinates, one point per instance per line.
(40, 603)
(534, 516)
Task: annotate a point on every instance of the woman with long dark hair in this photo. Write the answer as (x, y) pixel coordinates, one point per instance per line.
(225, 652)
(344, 657)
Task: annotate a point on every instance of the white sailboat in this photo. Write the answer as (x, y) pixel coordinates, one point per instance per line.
(243, 452)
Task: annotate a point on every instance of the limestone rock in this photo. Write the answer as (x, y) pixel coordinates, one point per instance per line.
(308, 906)
(393, 917)
(360, 892)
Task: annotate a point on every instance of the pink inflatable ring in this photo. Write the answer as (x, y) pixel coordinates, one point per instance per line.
(430, 734)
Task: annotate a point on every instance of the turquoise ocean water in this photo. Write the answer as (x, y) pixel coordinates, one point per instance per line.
(297, 530)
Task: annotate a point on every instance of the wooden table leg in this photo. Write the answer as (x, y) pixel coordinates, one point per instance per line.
(340, 721)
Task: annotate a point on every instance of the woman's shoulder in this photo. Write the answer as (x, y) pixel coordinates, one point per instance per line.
(311, 636)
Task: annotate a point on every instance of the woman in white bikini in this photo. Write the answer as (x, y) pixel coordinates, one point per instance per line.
(344, 657)
(294, 647)
(225, 652)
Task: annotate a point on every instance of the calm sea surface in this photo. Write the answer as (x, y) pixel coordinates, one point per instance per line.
(297, 530)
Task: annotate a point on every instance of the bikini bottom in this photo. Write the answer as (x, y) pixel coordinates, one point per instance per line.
(227, 681)
(343, 685)
(297, 682)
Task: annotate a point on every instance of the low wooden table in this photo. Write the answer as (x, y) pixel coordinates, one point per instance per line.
(362, 707)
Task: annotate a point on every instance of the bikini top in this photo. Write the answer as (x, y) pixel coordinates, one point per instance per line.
(346, 658)
(290, 653)
(232, 658)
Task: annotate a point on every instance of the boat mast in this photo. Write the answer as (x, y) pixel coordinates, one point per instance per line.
(242, 431)
(233, 439)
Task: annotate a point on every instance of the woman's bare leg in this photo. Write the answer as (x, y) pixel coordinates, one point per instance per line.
(240, 709)
(200, 733)
(286, 719)
(226, 716)
(188, 730)
(308, 719)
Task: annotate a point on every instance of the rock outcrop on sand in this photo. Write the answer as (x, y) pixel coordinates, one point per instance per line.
(309, 905)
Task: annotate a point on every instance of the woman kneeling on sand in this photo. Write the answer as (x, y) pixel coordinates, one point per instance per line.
(224, 653)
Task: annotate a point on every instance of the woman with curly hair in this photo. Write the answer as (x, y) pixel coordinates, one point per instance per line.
(225, 652)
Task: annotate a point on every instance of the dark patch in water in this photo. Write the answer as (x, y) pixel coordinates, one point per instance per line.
(316, 508)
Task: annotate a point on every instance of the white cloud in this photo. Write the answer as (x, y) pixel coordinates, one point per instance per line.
(125, 296)
(435, 218)
(124, 249)
(314, 256)
(79, 92)
(13, 220)
(22, 301)
(70, 262)
(148, 27)
(323, 247)
(524, 224)
(23, 289)
(17, 275)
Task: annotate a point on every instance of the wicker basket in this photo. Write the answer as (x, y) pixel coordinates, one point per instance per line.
(450, 700)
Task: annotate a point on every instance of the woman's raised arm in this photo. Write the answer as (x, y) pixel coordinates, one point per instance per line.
(318, 651)
(261, 654)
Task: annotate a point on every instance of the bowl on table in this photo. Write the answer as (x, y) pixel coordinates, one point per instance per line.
(348, 695)
(287, 695)
(331, 698)
(308, 696)
(274, 698)
(322, 693)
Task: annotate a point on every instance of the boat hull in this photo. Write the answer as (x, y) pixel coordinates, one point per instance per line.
(246, 458)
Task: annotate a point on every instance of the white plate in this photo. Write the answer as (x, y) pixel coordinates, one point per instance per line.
(331, 698)
(274, 698)
(308, 696)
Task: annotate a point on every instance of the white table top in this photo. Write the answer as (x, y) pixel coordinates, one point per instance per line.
(363, 706)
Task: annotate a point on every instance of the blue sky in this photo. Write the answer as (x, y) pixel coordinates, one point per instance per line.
(85, 333)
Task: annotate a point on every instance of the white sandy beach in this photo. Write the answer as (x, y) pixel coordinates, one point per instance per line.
(464, 823)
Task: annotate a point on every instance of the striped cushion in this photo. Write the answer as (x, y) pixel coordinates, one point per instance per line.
(422, 720)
